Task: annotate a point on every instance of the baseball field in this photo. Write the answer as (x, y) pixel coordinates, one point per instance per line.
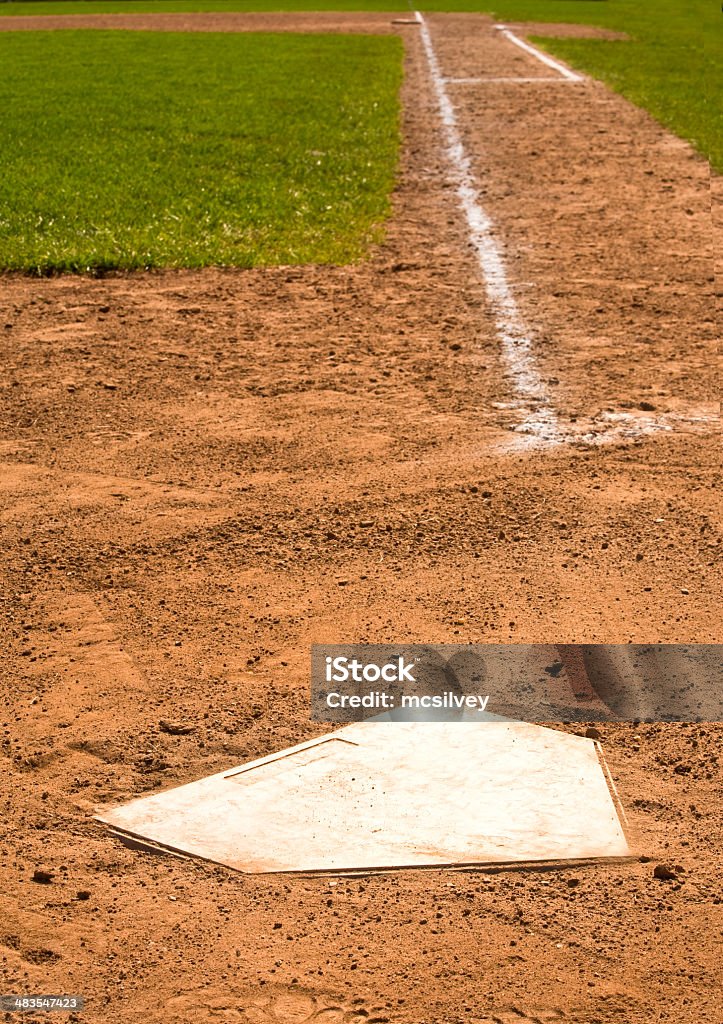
(349, 322)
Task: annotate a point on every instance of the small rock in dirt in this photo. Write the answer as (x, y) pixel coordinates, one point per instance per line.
(592, 733)
(646, 406)
(665, 873)
(573, 882)
(42, 876)
(555, 669)
(83, 894)
(175, 728)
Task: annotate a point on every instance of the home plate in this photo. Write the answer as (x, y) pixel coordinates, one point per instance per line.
(382, 795)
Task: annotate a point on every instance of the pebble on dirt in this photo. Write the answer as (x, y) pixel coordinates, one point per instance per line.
(175, 728)
(665, 873)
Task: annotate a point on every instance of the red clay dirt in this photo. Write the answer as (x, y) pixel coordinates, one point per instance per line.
(205, 472)
(212, 21)
(563, 30)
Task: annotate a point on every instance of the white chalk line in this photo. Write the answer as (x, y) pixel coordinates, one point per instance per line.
(571, 76)
(517, 355)
(614, 428)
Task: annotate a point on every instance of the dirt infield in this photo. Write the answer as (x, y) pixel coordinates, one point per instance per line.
(204, 472)
(213, 21)
(300, 21)
(564, 31)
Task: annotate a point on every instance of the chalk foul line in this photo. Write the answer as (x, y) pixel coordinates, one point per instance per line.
(517, 355)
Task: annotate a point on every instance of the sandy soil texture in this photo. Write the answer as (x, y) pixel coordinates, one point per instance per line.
(204, 472)
(212, 21)
(563, 30)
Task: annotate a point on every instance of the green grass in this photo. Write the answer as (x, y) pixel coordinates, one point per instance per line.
(128, 150)
(672, 65)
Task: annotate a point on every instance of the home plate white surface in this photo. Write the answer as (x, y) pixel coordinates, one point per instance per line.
(378, 795)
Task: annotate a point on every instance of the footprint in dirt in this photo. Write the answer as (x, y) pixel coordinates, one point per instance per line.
(272, 1006)
(517, 1015)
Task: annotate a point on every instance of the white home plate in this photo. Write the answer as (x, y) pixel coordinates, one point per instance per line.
(377, 795)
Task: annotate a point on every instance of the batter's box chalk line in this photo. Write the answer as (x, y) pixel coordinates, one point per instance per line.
(606, 428)
(544, 58)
